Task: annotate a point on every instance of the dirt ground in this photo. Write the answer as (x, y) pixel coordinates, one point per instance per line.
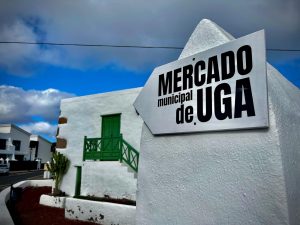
(28, 211)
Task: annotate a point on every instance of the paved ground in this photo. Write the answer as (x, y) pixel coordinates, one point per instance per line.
(16, 176)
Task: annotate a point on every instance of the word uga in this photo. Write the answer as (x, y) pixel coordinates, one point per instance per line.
(243, 101)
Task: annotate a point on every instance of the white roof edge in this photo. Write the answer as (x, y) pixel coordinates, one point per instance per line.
(16, 127)
(5, 125)
(24, 131)
(79, 98)
(38, 136)
(45, 139)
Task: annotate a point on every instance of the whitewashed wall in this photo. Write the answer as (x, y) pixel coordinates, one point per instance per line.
(5, 129)
(230, 177)
(108, 178)
(10, 131)
(9, 150)
(17, 134)
(84, 119)
(285, 98)
(44, 148)
(44, 151)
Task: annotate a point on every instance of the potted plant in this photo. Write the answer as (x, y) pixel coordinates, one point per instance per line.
(58, 167)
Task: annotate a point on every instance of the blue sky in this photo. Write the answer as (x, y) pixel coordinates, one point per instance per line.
(83, 82)
(33, 79)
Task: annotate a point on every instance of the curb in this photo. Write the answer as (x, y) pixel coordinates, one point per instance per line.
(5, 217)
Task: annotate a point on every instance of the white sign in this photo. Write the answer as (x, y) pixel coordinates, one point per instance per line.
(222, 88)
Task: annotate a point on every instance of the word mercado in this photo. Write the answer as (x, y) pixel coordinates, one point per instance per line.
(213, 93)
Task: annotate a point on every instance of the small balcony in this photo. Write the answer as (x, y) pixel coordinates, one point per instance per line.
(110, 149)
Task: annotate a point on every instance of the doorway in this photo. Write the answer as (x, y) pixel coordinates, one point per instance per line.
(111, 138)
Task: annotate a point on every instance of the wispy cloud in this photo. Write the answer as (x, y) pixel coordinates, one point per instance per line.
(41, 128)
(22, 60)
(156, 22)
(19, 106)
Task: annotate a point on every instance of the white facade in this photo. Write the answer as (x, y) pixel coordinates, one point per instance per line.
(113, 174)
(10, 134)
(43, 149)
(226, 177)
(83, 115)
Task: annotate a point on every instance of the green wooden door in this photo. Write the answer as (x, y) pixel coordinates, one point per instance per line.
(110, 138)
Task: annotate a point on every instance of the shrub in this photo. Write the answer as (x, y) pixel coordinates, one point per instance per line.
(58, 167)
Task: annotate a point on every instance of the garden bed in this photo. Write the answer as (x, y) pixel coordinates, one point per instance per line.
(28, 211)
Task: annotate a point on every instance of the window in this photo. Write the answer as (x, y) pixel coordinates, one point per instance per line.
(53, 146)
(33, 144)
(2, 144)
(17, 144)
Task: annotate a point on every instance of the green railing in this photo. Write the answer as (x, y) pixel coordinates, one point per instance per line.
(130, 156)
(110, 149)
(106, 149)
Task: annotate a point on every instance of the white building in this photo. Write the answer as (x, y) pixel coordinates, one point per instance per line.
(40, 148)
(111, 126)
(16, 143)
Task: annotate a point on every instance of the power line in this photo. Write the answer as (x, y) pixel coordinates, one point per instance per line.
(120, 46)
(89, 45)
(283, 50)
